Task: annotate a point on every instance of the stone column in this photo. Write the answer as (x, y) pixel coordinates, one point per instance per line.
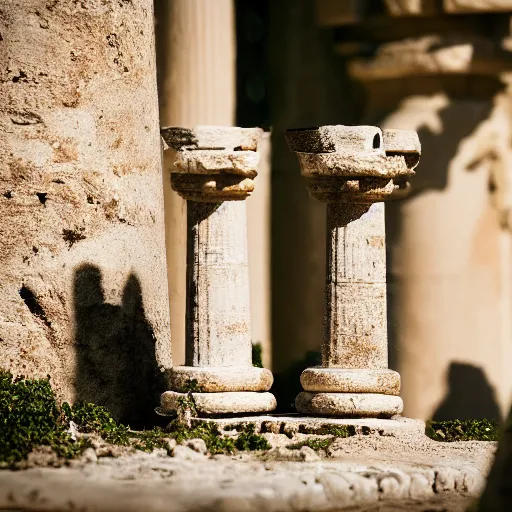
(426, 67)
(196, 52)
(82, 261)
(214, 171)
(353, 169)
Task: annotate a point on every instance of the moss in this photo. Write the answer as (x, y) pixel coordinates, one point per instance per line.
(94, 418)
(463, 430)
(342, 431)
(215, 442)
(248, 440)
(30, 417)
(315, 444)
(148, 440)
(257, 355)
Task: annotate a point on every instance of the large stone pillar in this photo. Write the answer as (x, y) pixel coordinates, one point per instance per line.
(196, 69)
(448, 244)
(82, 257)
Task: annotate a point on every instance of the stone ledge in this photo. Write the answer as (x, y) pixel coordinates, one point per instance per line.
(398, 426)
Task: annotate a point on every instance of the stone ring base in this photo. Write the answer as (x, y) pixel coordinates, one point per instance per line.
(341, 380)
(216, 380)
(369, 405)
(209, 404)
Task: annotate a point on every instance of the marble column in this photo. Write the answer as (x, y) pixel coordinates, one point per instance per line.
(354, 169)
(214, 172)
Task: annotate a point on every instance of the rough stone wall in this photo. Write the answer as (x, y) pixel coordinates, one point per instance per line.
(82, 258)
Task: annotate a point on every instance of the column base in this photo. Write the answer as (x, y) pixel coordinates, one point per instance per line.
(350, 380)
(219, 379)
(371, 405)
(207, 404)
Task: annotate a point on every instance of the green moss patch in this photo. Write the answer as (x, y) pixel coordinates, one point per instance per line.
(463, 430)
(257, 355)
(217, 443)
(30, 417)
(315, 444)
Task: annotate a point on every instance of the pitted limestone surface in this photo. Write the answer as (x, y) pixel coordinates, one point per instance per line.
(346, 380)
(83, 273)
(355, 327)
(349, 404)
(203, 161)
(358, 473)
(215, 380)
(218, 324)
(219, 403)
(355, 163)
(213, 163)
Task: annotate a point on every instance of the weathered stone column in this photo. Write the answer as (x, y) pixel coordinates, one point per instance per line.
(82, 260)
(214, 172)
(440, 68)
(353, 169)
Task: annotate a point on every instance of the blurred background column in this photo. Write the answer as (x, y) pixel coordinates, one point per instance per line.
(196, 53)
(306, 89)
(434, 68)
(196, 83)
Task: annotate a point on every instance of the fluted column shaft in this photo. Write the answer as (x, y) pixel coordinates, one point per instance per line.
(218, 309)
(354, 333)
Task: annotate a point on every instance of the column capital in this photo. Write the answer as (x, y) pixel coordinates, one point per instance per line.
(213, 163)
(355, 164)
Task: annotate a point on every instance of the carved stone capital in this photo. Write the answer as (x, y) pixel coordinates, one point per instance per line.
(356, 164)
(213, 163)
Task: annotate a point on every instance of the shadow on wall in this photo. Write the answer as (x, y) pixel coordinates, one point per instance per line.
(469, 396)
(115, 348)
(459, 119)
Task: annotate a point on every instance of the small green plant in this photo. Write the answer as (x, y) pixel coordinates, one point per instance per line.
(215, 442)
(257, 355)
(30, 417)
(248, 440)
(95, 418)
(315, 444)
(463, 430)
(148, 440)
